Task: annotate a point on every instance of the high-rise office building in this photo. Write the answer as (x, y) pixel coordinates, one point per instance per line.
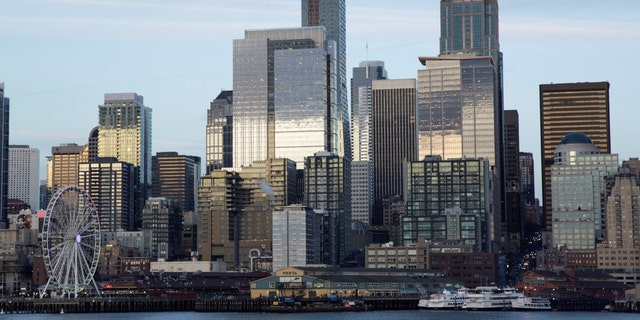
(62, 170)
(228, 230)
(4, 157)
(284, 95)
(457, 110)
(361, 170)
(176, 177)
(578, 184)
(332, 15)
(566, 108)
(327, 179)
(219, 140)
(531, 217)
(162, 218)
(275, 177)
(512, 227)
(449, 202)
(125, 131)
(24, 181)
(92, 144)
(125, 134)
(110, 183)
(394, 137)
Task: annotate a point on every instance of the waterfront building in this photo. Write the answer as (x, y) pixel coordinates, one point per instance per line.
(394, 138)
(24, 181)
(578, 185)
(328, 188)
(296, 237)
(450, 200)
(284, 95)
(162, 218)
(411, 256)
(566, 108)
(234, 217)
(219, 135)
(176, 177)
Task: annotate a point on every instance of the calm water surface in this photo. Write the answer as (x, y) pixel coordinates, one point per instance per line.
(370, 315)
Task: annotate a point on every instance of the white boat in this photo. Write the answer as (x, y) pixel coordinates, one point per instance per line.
(491, 298)
(531, 303)
(445, 300)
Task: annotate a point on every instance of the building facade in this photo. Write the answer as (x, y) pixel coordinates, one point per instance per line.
(162, 218)
(450, 200)
(296, 237)
(219, 139)
(566, 108)
(578, 185)
(24, 180)
(62, 169)
(361, 140)
(512, 224)
(284, 95)
(328, 187)
(394, 138)
(331, 14)
(110, 184)
(4, 156)
(176, 177)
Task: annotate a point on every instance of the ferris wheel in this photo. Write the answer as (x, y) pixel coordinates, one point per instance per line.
(71, 241)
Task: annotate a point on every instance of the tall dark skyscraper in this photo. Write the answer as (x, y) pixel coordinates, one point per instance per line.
(566, 108)
(4, 157)
(394, 138)
(332, 15)
(176, 177)
(361, 174)
(512, 216)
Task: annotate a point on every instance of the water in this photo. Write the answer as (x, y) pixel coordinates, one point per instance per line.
(369, 315)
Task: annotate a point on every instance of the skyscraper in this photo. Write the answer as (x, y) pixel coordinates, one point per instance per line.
(361, 174)
(110, 183)
(296, 237)
(63, 166)
(284, 95)
(125, 131)
(394, 137)
(163, 220)
(328, 187)
(332, 15)
(578, 185)
(219, 138)
(176, 177)
(512, 226)
(24, 181)
(566, 108)
(4, 156)
(450, 200)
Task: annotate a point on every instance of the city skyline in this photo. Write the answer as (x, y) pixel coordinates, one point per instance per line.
(178, 56)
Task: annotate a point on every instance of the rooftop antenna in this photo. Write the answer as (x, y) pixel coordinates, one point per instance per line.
(367, 50)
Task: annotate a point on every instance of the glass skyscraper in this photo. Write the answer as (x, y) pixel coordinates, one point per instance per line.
(457, 112)
(284, 95)
(219, 140)
(578, 184)
(361, 180)
(332, 15)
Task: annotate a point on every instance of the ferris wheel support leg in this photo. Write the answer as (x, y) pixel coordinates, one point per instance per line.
(46, 286)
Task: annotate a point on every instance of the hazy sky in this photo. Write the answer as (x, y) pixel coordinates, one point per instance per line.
(59, 57)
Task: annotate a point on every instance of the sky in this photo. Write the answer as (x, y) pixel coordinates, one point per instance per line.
(59, 57)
